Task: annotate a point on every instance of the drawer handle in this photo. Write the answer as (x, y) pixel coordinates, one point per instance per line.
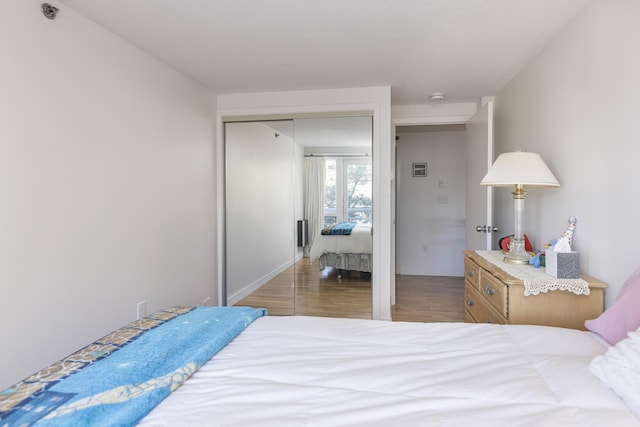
(489, 321)
(469, 300)
(489, 291)
(469, 273)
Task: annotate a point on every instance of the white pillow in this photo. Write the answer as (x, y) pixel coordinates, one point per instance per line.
(619, 369)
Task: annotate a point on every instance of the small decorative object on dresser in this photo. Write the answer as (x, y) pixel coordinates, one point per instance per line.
(561, 261)
(493, 295)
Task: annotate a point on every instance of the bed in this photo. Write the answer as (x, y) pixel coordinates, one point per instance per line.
(308, 371)
(351, 252)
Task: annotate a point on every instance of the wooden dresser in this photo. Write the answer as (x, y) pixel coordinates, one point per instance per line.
(493, 296)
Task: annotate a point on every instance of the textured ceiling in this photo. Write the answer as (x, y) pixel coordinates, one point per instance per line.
(464, 48)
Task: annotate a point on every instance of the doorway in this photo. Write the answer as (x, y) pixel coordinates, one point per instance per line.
(430, 200)
(430, 222)
(477, 129)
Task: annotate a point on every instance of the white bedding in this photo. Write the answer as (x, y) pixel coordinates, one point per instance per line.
(359, 242)
(306, 371)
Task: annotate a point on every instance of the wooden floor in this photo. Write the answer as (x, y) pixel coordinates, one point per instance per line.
(321, 293)
(429, 299)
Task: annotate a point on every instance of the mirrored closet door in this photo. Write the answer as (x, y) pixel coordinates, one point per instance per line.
(286, 182)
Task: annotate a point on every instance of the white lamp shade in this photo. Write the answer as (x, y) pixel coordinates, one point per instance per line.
(519, 167)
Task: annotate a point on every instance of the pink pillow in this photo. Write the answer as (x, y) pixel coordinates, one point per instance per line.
(629, 283)
(623, 316)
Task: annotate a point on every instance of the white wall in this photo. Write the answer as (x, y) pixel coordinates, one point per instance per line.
(107, 190)
(578, 105)
(430, 215)
(260, 206)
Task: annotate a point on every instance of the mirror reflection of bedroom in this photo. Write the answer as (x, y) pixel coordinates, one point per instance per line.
(299, 215)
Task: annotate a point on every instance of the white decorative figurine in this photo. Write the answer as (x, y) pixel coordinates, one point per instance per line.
(561, 261)
(564, 242)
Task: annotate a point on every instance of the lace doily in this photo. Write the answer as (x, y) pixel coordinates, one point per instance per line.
(535, 279)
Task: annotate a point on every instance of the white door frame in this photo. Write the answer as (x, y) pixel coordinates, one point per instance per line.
(480, 141)
(371, 100)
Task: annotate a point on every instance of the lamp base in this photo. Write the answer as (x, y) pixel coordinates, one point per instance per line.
(517, 254)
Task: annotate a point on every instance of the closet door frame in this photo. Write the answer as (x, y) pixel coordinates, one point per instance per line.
(375, 101)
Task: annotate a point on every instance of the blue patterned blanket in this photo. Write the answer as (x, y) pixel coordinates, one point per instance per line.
(339, 229)
(120, 378)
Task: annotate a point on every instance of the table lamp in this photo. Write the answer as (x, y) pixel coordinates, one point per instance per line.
(519, 169)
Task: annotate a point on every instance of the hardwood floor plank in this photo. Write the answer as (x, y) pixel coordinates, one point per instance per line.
(429, 299)
(321, 293)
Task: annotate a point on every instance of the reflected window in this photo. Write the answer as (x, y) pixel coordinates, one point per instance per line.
(348, 190)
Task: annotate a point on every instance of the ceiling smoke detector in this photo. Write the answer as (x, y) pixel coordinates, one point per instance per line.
(437, 96)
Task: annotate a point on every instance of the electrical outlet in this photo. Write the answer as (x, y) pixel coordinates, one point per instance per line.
(141, 309)
(206, 300)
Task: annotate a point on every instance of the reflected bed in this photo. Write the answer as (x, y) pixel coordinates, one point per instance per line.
(352, 252)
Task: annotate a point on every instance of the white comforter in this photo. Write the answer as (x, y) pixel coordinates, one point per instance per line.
(359, 242)
(305, 371)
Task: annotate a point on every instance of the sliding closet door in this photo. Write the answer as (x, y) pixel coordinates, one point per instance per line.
(338, 283)
(260, 215)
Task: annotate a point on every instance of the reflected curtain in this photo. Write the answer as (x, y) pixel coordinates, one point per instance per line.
(314, 168)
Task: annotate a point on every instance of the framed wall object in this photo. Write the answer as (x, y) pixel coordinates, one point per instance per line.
(420, 169)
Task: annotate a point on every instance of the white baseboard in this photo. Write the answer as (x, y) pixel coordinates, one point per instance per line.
(239, 295)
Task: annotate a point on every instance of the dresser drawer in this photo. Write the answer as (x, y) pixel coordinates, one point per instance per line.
(471, 272)
(494, 291)
(478, 309)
